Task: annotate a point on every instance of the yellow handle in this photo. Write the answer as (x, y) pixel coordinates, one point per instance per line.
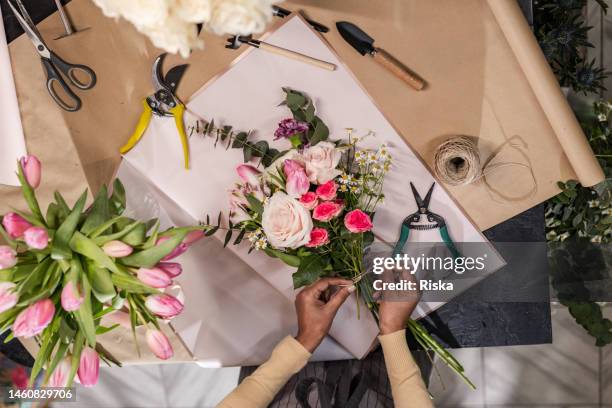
(143, 123)
(177, 112)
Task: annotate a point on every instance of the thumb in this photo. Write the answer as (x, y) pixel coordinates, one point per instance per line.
(338, 298)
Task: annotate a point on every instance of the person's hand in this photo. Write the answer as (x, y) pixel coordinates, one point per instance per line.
(315, 313)
(395, 308)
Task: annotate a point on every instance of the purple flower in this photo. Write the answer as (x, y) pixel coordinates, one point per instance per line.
(289, 127)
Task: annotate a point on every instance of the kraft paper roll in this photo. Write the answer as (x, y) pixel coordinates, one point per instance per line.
(547, 91)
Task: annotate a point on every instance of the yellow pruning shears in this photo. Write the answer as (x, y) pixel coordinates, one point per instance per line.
(163, 102)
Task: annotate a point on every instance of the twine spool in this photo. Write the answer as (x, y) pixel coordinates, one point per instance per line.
(457, 162)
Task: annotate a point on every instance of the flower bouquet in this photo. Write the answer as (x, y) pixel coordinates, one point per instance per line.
(62, 272)
(312, 206)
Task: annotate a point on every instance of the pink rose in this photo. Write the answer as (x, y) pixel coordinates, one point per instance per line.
(309, 200)
(318, 237)
(297, 181)
(327, 191)
(327, 211)
(357, 221)
(321, 161)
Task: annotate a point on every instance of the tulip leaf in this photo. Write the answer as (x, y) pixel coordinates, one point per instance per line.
(6, 237)
(47, 346)
(103, 329)
(117, 199)
(77, 349)
(34, 277)
(149, 257)
(63, 235)
(59, 200)
(136, 236)
(53, 216)
(84, 315)
(102, 228)
(103, 239)
(99, 212)
(132, 285)
(29, 195)
(152, 239)
(88, 248)
(101, 282)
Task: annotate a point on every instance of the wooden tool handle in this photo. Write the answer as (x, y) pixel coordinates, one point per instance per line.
(297, 56)
(398, 69)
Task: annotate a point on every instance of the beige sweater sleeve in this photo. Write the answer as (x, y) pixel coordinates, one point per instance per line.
(260, 388)
(407, 385)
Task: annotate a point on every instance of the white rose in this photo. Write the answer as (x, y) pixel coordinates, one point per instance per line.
(193, 11)
(240, 17)
(286, 223)
(321, 161)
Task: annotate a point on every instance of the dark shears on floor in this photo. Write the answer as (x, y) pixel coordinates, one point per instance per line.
(58, 71)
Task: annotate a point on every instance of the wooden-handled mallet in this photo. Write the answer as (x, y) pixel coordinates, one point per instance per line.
(236, 41)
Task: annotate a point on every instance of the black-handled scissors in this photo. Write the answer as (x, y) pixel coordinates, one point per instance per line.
(81, 76)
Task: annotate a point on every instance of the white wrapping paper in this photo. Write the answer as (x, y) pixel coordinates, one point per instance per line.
(12, 142)
(224, 284)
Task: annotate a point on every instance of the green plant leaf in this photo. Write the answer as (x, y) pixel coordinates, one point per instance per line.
(311, 268)
(132, 284)
(149, 257)
(255, 204)
(320, 133)
(88, 248)
(99, 212)
(118, 200)
(290, 260)
(63, 235)
(101, 282)
(84, 315)
(103, 239)
(77, 349)
(136, 236)
(60, 353)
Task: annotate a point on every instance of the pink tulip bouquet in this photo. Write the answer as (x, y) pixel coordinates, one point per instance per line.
(312, 205)
(62, 272)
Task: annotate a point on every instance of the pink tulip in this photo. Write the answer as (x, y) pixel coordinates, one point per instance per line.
(15, 225)
(173, 269)
(193, 236)
(297, 180)
(89, 367)
(248, 174)
(33, 320)
(179, 250)
(31, 169)
(71, 297)
(8, 257)
(154, 277)
(19, 377)
(159, 344)
(164, 306)
(8, 296)
(117, 249)
(59, 377)
(36, 237)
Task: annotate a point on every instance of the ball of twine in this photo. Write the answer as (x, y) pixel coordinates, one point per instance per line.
(457, 162)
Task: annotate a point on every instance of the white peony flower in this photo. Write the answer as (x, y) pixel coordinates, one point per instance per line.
(240, 17)
(286, 223)
(175, 36)
(321, 161)
(193, 11)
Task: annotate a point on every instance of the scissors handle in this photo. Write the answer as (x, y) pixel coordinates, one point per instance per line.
(69, 102)
(86, 78)
(142, 125)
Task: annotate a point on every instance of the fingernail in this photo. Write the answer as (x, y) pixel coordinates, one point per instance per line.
(352, 288)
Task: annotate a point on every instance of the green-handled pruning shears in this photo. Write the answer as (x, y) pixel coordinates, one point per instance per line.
(163, 102)
(413, 222)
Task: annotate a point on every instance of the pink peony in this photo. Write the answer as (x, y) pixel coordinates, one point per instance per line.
(318, 237)
(357, 221)
(297, 181)
(327, 211)
(327, 191)
(309, 200)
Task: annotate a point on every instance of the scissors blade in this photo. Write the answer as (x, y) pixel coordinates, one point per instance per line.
(173, 77)
(416, 195)
(156, 73)
(29, 28)
(428, 196)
